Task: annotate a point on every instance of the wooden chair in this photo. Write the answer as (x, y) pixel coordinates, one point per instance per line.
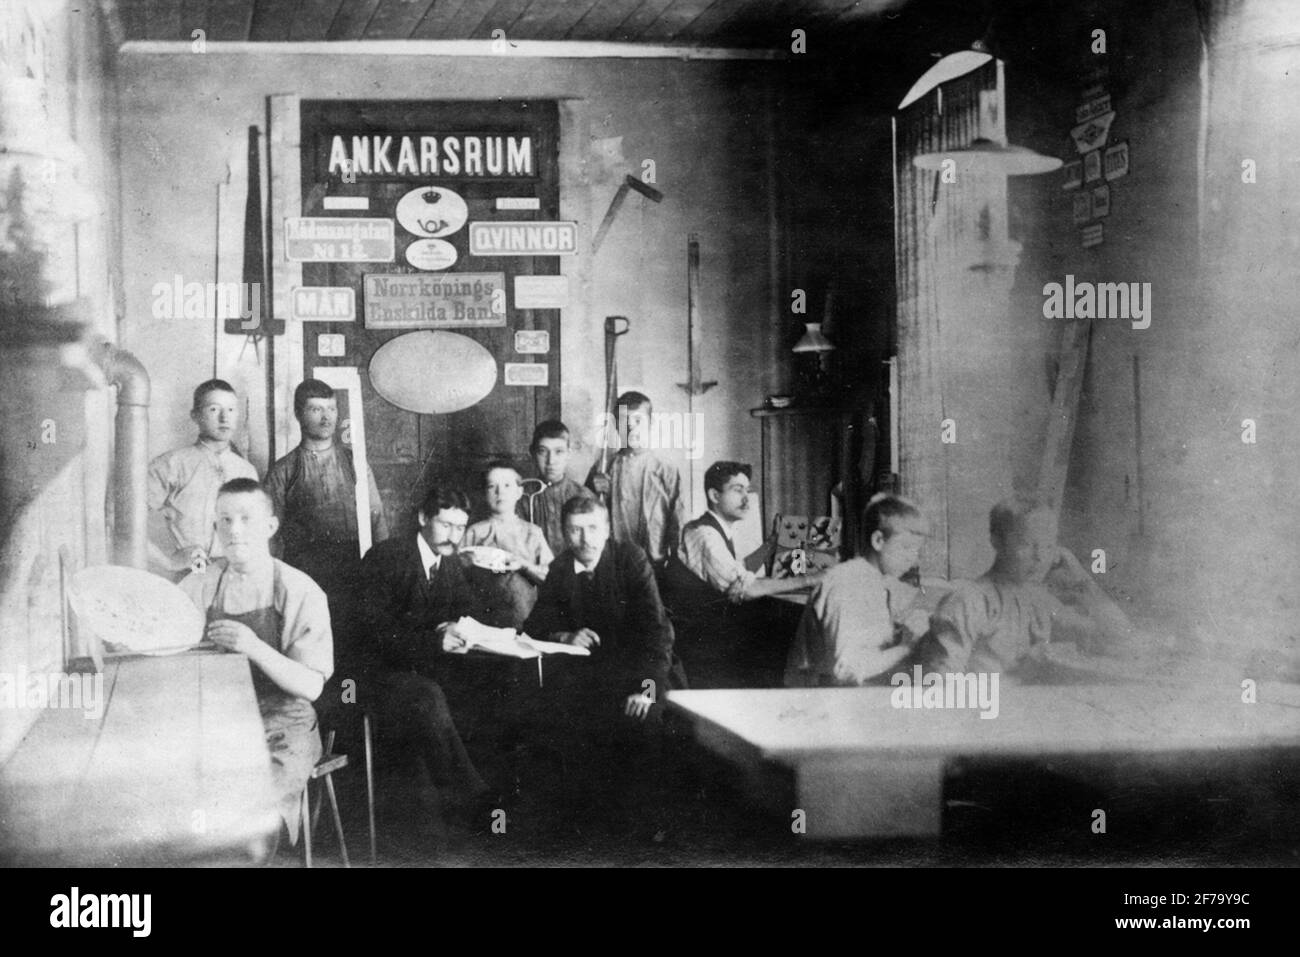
(324, 770)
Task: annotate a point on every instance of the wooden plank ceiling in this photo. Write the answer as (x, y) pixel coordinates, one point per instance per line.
(703, 23)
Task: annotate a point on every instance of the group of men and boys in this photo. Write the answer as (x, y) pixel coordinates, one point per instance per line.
(585, 566)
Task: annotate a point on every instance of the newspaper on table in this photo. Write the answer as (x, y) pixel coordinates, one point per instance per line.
(509, 642)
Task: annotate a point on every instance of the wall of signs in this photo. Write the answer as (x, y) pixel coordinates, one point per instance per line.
(1099, 163)
(424, 217)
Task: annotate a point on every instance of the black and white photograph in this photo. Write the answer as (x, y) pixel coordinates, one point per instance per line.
(651, 433)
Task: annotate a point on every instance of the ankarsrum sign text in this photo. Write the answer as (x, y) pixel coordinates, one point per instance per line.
(422, 155)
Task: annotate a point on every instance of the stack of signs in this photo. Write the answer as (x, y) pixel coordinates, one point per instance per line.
(803, 544)
(1098, 164)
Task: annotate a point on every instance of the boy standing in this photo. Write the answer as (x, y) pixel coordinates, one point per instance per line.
(643, 491)
(846, 635)
(183, 485)
(550, 452)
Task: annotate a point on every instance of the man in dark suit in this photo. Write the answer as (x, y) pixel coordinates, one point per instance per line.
(412, 591)
(601, 595)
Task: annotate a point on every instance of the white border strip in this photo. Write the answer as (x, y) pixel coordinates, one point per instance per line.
(527, 49)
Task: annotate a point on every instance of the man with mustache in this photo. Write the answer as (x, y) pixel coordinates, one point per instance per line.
(314, 491)
(412, 592)
(737, 639)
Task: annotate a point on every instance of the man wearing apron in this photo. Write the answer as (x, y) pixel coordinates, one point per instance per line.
(258, 606)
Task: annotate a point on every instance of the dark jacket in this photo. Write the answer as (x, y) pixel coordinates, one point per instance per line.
(636, 639)
(398, 609)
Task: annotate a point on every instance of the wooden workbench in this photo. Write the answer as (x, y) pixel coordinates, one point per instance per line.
(858, 767)
(176, 770)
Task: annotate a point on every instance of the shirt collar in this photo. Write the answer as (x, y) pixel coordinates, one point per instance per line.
(722, 524)
(579, 568)
(427, 555)
(200, 444)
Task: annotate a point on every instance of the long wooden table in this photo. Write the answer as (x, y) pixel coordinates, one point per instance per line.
(176, 770)
(859, 767)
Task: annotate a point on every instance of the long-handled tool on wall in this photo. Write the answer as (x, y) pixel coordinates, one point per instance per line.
(694, 339)
(694, 325)
(615, 326)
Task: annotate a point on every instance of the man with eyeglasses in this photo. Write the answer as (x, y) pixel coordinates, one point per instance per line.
(729, 643)
(412, 591)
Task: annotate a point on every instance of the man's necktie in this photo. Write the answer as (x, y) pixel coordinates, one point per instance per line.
(730, 547)
(586, 592)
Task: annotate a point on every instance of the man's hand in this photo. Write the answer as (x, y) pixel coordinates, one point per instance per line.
(583, 638)
(916, 622)
(232, 636)
(194, 558)
(451, 639)
(1069, 567)
(1068, 580)
(637, 706)
(599, 483)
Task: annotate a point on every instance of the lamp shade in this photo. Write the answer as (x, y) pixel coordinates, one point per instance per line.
(813, 340)
(985, 156)
(949, 68)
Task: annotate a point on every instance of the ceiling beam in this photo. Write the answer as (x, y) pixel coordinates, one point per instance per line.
(528, 49)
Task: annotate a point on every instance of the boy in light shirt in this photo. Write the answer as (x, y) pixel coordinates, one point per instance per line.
(279, 618)
(847, 634)
(513, 590)
(646, 502)
(183, 485)
(1036, 593)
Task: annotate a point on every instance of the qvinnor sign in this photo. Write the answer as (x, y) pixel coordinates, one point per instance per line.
(523, 239)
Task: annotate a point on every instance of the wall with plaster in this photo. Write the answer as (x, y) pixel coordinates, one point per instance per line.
(55, 415)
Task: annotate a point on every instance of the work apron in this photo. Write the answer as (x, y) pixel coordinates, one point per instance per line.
(292, 734)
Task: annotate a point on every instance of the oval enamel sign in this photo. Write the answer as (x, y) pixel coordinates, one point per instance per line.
(432, 211)
(431, 254)
(432, 371)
